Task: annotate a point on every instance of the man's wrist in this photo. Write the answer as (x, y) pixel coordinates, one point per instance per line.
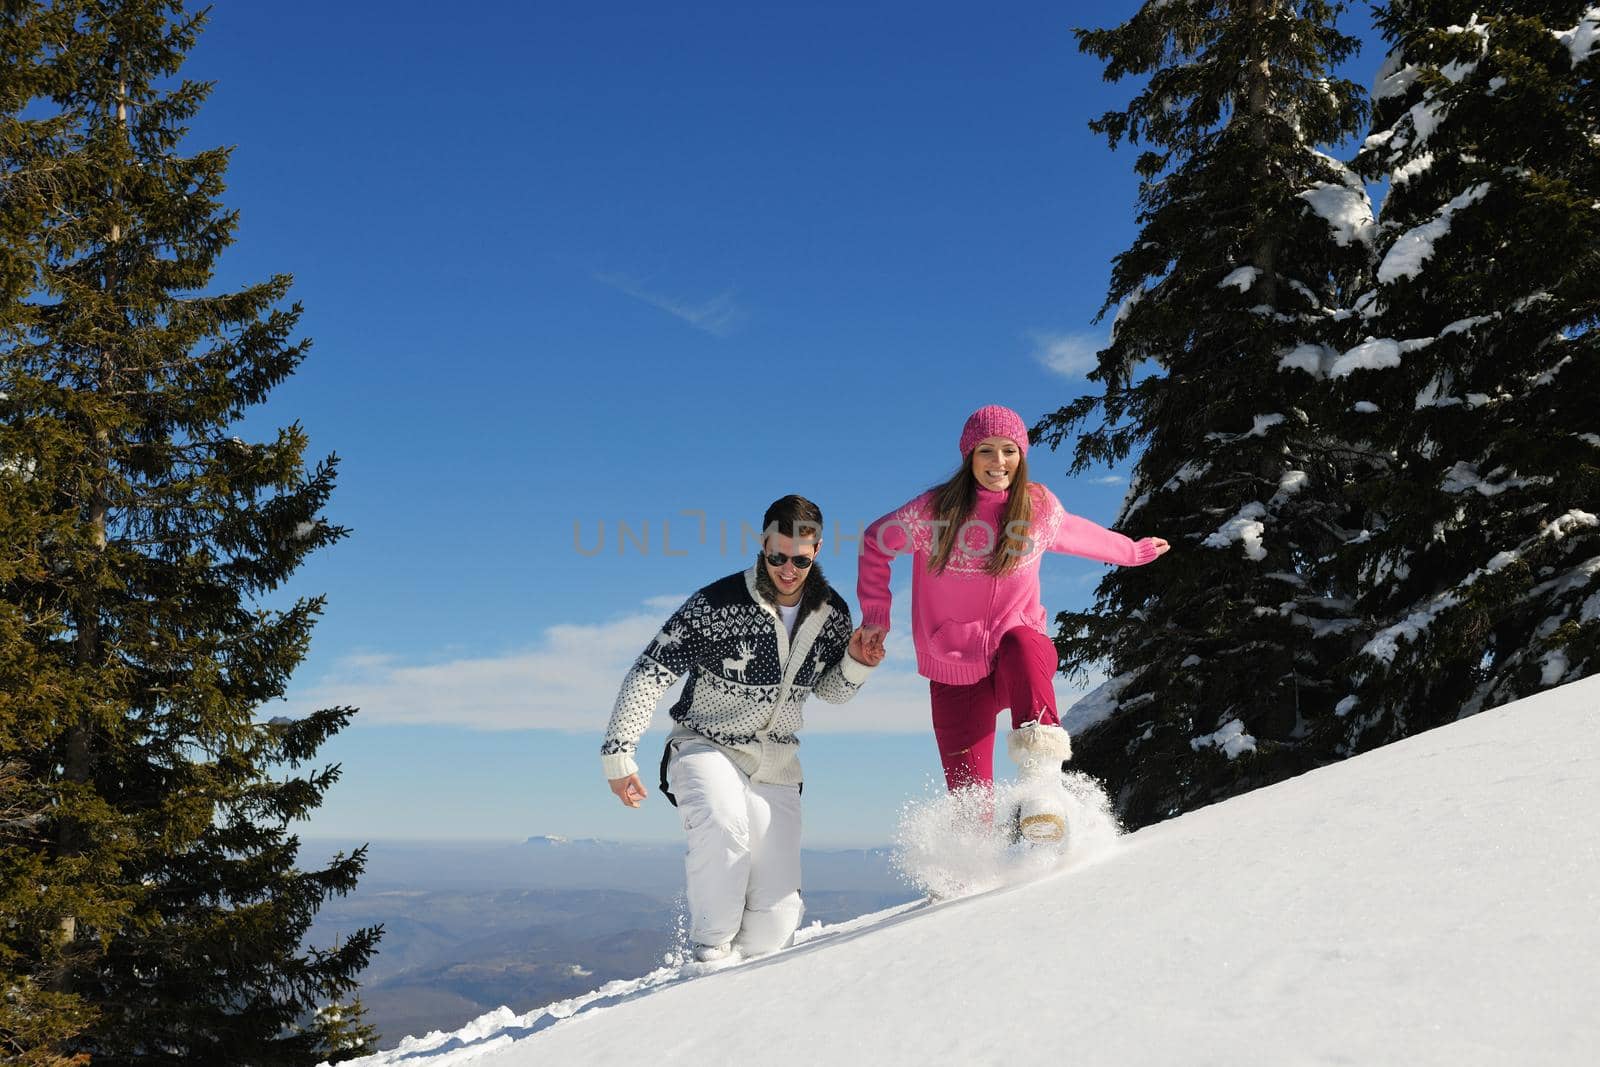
(855, 672)
(618, 765)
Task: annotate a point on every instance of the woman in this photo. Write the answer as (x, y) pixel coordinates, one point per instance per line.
(976, 618)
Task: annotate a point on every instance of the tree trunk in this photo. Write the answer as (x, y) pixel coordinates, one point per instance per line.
(1257, 109)
(78, 759)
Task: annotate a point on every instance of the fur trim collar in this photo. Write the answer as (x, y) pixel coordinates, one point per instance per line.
(813, 594)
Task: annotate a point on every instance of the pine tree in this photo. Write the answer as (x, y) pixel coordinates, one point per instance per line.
(1222, 655)
(1483, 562)
(344, 1032)
(153, 909)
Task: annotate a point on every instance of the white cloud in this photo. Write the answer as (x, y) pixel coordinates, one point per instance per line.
(1110, 479)
(1071, 355)
(567, 680)
(719, 316)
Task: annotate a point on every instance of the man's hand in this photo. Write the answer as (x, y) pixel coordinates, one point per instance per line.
(629, 790)
(866, 645)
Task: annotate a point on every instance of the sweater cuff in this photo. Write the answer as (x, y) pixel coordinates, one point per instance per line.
(619, 765)
(855, 672)
(875, 617)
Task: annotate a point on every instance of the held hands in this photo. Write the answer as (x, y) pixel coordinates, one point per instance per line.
(866, 645)
(629, 790)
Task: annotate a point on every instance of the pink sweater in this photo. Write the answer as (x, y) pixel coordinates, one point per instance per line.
(959, 615)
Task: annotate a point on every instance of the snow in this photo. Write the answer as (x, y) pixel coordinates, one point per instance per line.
(1393, 77)
(1411, 168)
(1342, 170)
(1372, 354)
(947, 848)
(1590, 610)
(1305, 291)
(1290, 484)
(1364, 407)
(1258, 428)
(1581, 39)
(1386, 643)
(1569, 522)
(1096, 706)
(1573, 579)
(1241, 279)
(1546, 377)
(1311, 358)
(1135, 498)
(1464, 477)
(1473, 26)
(1431, 902)
(1436, 394)
(1375, 353)
(1425, 117)
(1464, 325)
(1124, 308)
(1245, 527)
(1190, 470)
(1413, 247)
(1231, 739)
(1523, 303)
(1263, 423)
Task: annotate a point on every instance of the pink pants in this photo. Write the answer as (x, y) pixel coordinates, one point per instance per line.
(964, 715)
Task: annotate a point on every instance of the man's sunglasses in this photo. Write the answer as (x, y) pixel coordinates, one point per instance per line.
(778, 559)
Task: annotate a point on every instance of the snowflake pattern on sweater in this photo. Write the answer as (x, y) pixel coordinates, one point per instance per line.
(747, 679)
(921, 525)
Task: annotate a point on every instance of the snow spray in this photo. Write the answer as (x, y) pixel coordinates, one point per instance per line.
(958, 843)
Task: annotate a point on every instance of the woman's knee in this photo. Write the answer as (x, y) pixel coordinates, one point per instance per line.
(1025, 641)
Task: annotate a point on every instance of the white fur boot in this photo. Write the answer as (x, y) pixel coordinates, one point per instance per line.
(1038, 751)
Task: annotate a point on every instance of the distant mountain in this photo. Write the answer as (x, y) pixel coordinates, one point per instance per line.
(450, 955)
(470, 927)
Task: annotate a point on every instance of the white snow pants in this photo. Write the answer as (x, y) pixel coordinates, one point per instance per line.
(743, 861)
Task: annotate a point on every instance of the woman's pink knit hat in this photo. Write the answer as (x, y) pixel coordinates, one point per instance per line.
(993, 421)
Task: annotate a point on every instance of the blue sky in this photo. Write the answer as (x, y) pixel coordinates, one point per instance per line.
(573, 264)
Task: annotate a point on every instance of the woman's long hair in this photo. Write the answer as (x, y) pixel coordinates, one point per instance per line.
(953, 504)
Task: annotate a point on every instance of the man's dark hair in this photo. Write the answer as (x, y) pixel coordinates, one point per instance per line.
(793, 516)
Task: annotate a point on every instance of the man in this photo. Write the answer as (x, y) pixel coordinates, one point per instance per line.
(754, 645)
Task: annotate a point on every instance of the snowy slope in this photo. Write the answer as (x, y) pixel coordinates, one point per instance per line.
(1436, 901)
